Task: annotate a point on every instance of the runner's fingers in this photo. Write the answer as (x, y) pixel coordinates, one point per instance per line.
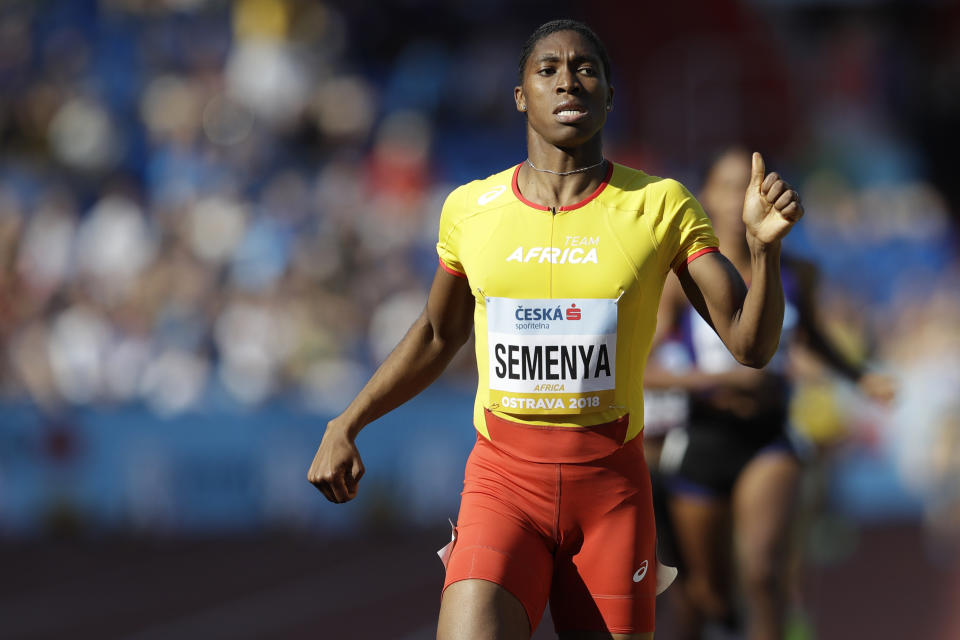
(776, 190)
(792, 212)
(358, 469)
(338, 486)
(351, 489)
(337, 483)
(325, 490)
(786, 198)
(326, 484)
(769, 182)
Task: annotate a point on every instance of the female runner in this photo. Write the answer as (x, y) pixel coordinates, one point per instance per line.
(733, 472)
(558, 264)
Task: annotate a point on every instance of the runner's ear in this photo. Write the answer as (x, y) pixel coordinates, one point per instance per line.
(519, 98)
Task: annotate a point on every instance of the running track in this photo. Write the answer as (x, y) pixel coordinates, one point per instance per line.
(380, 587)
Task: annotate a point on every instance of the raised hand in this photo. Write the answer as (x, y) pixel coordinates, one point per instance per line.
(336, 469)
(770, 206)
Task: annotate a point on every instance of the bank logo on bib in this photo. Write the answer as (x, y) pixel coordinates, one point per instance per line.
(551, 356)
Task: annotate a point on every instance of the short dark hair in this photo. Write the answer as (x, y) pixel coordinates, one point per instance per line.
(549, 28)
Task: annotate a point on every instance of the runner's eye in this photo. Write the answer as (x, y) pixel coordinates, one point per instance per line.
(545, 71)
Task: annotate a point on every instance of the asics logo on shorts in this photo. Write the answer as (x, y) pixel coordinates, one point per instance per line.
(493, 194)
(641, 572)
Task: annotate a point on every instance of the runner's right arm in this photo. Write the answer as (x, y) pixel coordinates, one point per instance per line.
(419, 359)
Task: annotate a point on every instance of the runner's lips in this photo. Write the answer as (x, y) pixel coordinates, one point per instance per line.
(570, 105)
(568, 116)
(570, 111)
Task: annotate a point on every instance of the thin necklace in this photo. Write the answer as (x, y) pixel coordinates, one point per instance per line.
(566, 173)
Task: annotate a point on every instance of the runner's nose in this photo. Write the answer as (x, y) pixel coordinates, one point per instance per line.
(567, 82)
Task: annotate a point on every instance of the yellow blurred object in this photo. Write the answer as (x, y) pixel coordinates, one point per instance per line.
(261, 19)
(816, 413)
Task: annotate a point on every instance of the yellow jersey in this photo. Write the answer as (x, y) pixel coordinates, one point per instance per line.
(566, 298)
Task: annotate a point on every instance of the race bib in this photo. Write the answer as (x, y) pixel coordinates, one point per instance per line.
(555, 356)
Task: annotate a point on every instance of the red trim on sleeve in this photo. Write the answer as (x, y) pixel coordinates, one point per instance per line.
(697, 254)
(450, 270)
(540, 207)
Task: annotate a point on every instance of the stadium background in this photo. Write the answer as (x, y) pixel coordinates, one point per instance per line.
(216, 218)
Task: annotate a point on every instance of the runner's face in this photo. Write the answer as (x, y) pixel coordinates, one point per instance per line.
(564, 92)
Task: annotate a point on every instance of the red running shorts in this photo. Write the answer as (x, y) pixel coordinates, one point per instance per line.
(565, 515)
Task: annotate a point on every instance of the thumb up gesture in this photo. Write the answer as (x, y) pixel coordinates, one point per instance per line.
(770, 206)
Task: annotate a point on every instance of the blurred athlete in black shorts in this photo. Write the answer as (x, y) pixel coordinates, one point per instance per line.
(732, 474)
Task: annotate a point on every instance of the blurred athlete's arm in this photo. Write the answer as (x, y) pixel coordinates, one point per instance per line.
(812, 336)
(418, 360)
(673, 305)
(748, 321)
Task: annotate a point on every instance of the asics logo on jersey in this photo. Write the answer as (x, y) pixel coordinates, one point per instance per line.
(641, 572)
(493, 194)
(554, 255)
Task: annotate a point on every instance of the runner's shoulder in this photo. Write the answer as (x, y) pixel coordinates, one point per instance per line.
(631, 188)
(485, 193)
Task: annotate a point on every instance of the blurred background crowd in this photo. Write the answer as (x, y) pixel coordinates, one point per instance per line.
(217, 217)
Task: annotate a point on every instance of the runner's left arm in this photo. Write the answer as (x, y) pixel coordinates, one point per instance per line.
(749, 321)
(673, 305)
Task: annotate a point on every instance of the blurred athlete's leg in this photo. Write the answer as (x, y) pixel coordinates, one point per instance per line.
(764, 505)
(701, 530)
(481, 610)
